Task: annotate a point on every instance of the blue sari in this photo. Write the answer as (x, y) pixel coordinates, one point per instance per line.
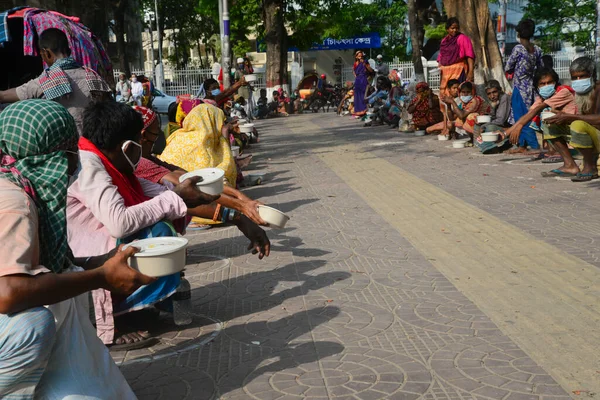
(360, 87)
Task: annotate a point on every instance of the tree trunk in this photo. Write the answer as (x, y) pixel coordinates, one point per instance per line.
(415, 37)
(119, 30)
(275, 34)
(475, 22)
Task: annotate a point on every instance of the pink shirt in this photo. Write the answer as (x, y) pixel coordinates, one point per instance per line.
(97, 215)
(20, 249)
(563, 100)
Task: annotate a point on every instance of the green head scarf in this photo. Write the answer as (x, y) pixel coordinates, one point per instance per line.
(34, 135)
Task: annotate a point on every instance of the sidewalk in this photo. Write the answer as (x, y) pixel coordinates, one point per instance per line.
(408, 270)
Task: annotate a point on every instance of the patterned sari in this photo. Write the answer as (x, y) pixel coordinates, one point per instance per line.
(452, 59)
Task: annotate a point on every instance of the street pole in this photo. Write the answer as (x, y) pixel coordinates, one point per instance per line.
(160, 72)
(501, 27)
(152, 51)
(225, 52)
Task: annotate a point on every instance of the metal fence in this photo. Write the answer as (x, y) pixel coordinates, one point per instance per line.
(187, 80)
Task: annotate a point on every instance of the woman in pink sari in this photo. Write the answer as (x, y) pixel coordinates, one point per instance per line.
(457, 58)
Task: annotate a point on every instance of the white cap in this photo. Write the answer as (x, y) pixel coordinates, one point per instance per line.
(379, 56)
(240, 60)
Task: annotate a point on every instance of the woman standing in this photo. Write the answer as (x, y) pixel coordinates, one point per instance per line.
(456, 58)
(361, 73)
(524, 60)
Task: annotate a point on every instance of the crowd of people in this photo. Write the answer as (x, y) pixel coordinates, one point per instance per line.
(566, 117)
(79, 178)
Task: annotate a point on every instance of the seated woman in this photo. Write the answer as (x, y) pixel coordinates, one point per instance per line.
(107, 205)
(210, 92)
(154, 170)
(454, 93)
(551, 97)
(468, 109)
(394, 105)
(425, 108)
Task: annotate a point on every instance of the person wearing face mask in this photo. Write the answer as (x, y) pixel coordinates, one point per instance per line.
(64, 80)
(210, 92)
(468, 109)
(583, 128)
(381, 68)
(137, 90)
(551, 96)
(245, 90)
(524, 60)
(123, 89)
(107, 205)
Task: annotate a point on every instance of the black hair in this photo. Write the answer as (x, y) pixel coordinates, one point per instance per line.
(108, 123)
(384, 82)
(451, 21)
(467, 85)
(263, 91)
(452, 82)
(542, 72)
(548, 61)
(54, 40)
(275, 92)
(172, 112)
(209, 82)
(526, 29)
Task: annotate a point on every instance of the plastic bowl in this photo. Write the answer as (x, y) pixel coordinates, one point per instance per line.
(235, 150)
(274, 217)
(159, 256)
(419, 133)
(443, 137)
(212, 180)
(250, 77)
(546, 115)
(484, 119)
(459, 144)
(489, 137)
(248, 128)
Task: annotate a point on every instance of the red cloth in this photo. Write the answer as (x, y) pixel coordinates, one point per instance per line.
(128, 186)
(150, 171)
(148, 115)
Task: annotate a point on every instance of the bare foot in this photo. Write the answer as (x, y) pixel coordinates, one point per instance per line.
(518, 150)
(131, 337)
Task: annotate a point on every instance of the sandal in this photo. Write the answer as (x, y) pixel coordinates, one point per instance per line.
(136, 345)
(552, 159)
(556, 172)
(584, 177)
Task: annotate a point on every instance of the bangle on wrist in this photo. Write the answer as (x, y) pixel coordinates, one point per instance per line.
(216, 214)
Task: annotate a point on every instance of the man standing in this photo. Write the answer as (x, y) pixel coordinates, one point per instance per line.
(64, 81)
(244, 91)
(137, 90)
(123, 89)
(381, 68)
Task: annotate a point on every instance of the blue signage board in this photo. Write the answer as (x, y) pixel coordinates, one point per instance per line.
(366, 41)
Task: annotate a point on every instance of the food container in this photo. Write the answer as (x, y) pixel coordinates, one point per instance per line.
(159, 256)
(443, 137)
(256, 178)
(274, 217)
(212, 180)
(235, 150)
(459, 144)
(419, 133)
(247, 128)
(546, 115)
(484, 119)
(250, 78)
(489, 137)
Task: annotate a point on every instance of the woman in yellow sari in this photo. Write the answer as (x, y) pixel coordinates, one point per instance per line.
(201, 143)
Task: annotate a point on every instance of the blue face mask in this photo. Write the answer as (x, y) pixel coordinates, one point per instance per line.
(215, 92)
(547, 91)
(582, 86)
(466, 99)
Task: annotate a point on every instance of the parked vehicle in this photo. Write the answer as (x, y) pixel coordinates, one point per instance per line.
(161, 102)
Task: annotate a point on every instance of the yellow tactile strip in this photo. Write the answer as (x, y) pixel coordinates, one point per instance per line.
(543, 298)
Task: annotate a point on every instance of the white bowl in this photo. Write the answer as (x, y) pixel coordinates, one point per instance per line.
(489, 137)
(484, 119)
(459, 144)
(272, 216)
(235, 150)
(546, 114)
(250, 77)
(248, 128)
(443, 137)
(159, 256)
(212, 180)
(419, 133)
(256, 178)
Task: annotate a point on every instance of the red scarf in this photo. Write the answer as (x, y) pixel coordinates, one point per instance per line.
(128, 186)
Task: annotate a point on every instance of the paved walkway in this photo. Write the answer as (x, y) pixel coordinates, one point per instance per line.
(409, 270)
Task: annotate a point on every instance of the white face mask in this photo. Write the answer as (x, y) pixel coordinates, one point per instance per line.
(134, 80)
(125, 146)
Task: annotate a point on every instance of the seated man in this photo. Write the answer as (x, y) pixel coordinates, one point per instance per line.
(262, 105)
(584, 129)
(445, 126)
(107, 205)
(551, 97)
(50, 352)
(425, 108)
(379, 99)
(500, 103)
(65, 81)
